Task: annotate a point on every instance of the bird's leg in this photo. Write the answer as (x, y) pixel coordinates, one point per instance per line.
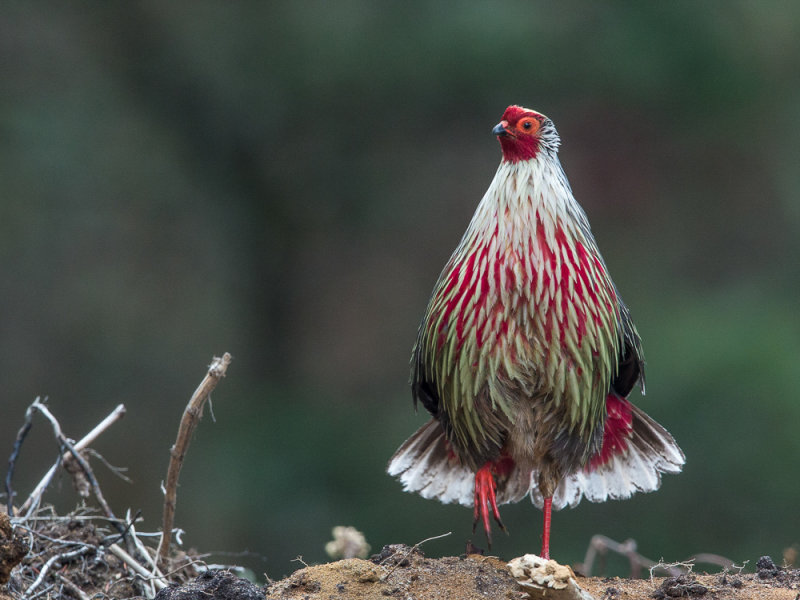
(485, 488)
(548, 509)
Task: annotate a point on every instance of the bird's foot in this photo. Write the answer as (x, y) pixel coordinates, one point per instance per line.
(485, 500)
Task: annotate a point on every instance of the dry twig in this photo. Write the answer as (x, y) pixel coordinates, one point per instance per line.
(73, 548)
(714, 559)
(73, 589)
(600, 545)
(75, 454)
(28, 507)
(12, 461)
(58, 558)
(191, 417)
(157, 582)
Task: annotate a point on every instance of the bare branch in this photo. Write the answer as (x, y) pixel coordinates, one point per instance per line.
(713, 559)
(76, 455)
(144, 551)
(33, 500)
(191, 417)
(600, 545)
(58, 558)
(134, 564)
(73, 589)
(12, 461)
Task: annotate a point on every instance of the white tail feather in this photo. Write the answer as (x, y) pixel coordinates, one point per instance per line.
(425, 465)
(650, 452)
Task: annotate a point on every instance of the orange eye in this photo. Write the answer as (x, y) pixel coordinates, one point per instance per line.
(528, 125)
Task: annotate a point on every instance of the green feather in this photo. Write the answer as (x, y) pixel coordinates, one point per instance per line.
(539, 352)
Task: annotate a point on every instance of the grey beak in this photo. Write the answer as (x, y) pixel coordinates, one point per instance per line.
(499, 130)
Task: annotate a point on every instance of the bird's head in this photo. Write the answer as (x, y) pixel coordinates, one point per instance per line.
(524, 133)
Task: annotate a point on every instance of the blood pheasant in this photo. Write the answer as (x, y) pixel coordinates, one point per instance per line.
(526, 355)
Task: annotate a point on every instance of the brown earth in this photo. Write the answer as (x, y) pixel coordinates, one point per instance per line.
(13, 548)
(398, 572)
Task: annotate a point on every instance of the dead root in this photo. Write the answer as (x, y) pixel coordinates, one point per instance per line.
(81, 555)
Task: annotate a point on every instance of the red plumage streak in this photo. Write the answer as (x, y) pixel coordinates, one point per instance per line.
(577, 283)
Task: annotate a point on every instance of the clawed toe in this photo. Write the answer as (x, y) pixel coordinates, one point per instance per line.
(486, 500)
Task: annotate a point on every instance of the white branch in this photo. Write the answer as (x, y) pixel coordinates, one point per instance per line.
(27, 508)
(134, 564)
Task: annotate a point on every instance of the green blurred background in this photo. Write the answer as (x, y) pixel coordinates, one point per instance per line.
(285, 180)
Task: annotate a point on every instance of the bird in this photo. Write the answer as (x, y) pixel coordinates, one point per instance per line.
(526, 355)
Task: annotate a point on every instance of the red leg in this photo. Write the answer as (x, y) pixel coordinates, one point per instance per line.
(548, 509)
(485, 499)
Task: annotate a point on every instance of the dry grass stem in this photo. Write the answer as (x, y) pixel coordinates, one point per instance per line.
(191, 417)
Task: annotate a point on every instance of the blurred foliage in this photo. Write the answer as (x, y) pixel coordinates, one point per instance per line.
(285, 180)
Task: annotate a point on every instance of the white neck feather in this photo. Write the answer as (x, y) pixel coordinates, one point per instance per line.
(521, 195)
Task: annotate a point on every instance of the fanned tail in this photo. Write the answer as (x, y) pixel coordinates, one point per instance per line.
(636, 466)
(425, 464)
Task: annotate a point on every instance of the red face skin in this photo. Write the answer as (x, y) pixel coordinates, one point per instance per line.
(518, 133)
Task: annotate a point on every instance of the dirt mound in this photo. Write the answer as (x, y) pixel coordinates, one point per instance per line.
(401, 572)
(398, 571)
